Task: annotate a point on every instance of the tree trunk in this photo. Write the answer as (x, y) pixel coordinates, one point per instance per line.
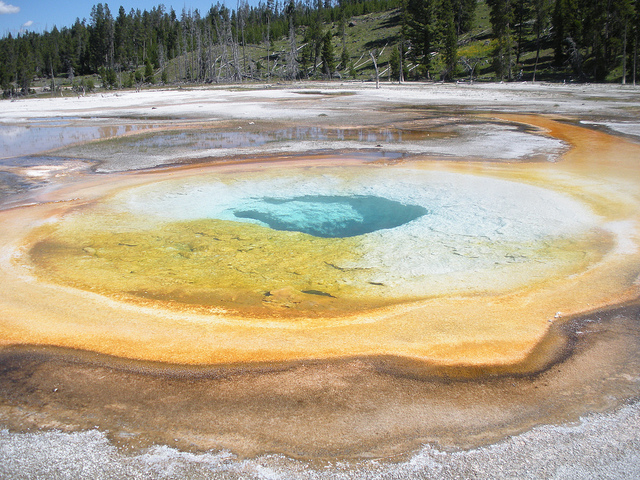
(520, 22)
(401, 74)
(624, 55)
(268, 45)
(375, 65)
(635, 60)
(293, 50)
(535, 67)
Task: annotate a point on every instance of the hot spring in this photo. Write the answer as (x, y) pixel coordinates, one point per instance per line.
(325, 305)
(331, 217)
(449, 263)
(259, 242)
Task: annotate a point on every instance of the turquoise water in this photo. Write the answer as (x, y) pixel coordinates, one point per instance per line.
(331, 216)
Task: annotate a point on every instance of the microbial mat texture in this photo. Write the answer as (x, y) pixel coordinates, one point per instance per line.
(326, 305)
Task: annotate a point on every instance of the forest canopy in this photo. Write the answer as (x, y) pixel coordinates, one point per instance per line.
(583, 40)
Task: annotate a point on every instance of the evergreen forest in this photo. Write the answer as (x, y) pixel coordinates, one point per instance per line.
(282, 40)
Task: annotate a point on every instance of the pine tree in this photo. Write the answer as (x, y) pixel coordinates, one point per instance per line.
(101, 37)
(148, 72)
(417, 27)
(501, 16)
(464, 11)
(623, 14)
(567, 29)
(7, 64)
(25, 65)
(395, 64)
(122, 39)
(541, 12)
(344, 56)
(328, 56)
(313, 40)
(636, 39)
(448, 38)
(522, 14)
(292, 59)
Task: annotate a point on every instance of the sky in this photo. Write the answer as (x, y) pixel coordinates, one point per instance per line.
(41, 15)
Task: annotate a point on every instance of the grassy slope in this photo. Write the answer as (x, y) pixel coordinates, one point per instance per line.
(380, 32)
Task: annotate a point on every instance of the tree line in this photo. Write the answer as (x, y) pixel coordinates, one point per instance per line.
(130, 47)
(590, 38)
(594, 37)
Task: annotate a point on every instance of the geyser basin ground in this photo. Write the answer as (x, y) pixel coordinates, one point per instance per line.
(475, 281)
(252, 242)
(368, 379)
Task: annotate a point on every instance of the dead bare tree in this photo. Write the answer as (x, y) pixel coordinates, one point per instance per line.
(230, 65)
(624, 53)
(235, 51)
(197, 56)
(269, 10)
(241, 12)
(184, 64)
(635, 59)
(209, 65)
(220, 26)
(292, 59)
(375, 65)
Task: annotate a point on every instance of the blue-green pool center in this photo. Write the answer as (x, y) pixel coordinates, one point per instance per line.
(330, 216)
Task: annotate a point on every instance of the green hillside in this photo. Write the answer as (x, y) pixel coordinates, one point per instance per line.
(436, 40)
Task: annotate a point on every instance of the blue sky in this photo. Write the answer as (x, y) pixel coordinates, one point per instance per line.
(41, 15)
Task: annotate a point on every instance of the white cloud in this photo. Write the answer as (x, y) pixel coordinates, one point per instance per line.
(27, 24)
(4, 8)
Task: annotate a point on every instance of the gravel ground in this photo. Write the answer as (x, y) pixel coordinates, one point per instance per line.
(604, 446)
